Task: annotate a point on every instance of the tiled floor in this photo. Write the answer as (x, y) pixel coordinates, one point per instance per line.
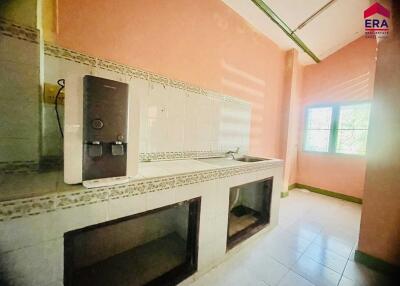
(313, 244)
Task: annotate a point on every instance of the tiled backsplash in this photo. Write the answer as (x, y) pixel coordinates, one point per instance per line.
(177, 120)
(19, 97)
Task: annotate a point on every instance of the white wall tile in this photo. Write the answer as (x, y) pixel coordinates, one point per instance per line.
(160, 199)
(126, 206)
(36, 265)
(173, 119)
(10, 50)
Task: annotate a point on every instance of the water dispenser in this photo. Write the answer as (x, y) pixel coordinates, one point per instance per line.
(105, 128)
(101, 130)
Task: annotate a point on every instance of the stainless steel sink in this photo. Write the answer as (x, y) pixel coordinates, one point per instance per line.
(229, 161)
(249, 159)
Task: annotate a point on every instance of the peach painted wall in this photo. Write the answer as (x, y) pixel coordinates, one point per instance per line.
(347, 75)
(295, 129)
(201, 42)
(290, 113)
(380, 220)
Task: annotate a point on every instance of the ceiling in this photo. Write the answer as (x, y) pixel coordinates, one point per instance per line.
(339, 24)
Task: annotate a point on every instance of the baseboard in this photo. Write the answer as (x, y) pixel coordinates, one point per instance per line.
(292, 186)
(376, 263)
(329, 193)
(284, 194)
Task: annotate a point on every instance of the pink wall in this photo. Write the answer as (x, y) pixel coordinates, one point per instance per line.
(347, 75)
(201, 42)
(295, 129)
(380, 220)
(290, 112)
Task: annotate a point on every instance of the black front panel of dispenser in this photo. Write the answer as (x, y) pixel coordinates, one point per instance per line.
(105, 128)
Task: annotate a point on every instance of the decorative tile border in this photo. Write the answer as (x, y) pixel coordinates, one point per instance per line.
(13, 30)
(27, 207)
(38, 205)
(69, 55)
(74, 56)
(158, 156)
(19, 167)
(31, 167)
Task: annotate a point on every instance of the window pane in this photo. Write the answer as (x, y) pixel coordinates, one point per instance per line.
(319, 118)
(317, 140)
(354, 116)
(352, 141)
(353, 129)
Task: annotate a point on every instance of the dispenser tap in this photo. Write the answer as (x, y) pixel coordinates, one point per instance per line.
(95, 149)
(117, 148)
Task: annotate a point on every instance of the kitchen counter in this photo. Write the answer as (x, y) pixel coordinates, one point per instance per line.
(21, 186)
(38, 222)
(47, 191)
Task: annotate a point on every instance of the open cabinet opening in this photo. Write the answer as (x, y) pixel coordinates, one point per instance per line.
(158, 247)
(249, 210)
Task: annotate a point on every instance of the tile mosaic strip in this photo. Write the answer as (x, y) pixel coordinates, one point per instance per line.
(82, 198)
(30, 34)
(31, 167)
(27, 207)
(19, 167)
(70, 55)
(14, 30)
(158, 156)
(38, 205)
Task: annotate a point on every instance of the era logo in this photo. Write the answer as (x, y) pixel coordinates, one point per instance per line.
(376, 21)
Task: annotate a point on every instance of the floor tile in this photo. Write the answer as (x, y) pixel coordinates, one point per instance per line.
(315, 272)
(242, 277)
(294, 279)
(296, 242)
(266, 268)
(334, 245)
(342, 234)
(326, 257)
(283, 254)
(348, 282)
(312, 245)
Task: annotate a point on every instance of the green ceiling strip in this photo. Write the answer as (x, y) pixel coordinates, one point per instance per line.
(275, 18)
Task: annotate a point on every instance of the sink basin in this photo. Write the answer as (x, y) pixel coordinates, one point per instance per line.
(249, 159)
(229, 161)
(220, 161)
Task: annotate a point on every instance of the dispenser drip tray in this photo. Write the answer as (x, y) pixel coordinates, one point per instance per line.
(95, 149)
(117, 149)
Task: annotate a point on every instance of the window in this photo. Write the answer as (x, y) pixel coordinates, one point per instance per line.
(337, 129)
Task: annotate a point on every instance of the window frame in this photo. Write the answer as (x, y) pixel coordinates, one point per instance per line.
(333, 135)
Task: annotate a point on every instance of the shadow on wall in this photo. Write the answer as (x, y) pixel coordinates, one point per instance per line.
(356, 89)
(253, 89)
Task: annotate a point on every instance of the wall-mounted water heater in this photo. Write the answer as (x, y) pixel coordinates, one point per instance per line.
(100, 147)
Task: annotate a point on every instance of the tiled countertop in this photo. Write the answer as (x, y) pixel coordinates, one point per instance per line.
(35, 193)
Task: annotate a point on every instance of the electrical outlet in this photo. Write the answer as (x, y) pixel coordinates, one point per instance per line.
(50, 92)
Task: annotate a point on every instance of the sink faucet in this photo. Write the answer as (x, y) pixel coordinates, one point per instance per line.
(232, 153)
